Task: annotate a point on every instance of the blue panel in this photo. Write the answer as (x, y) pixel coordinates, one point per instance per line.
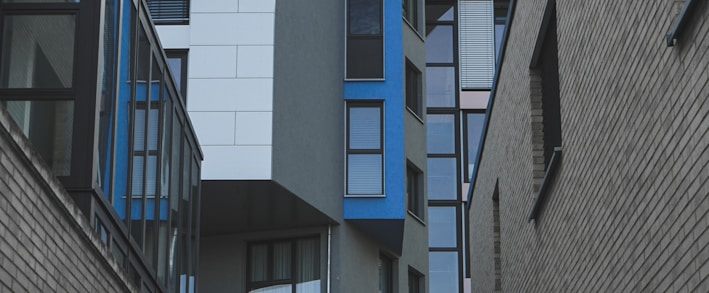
(391, 91)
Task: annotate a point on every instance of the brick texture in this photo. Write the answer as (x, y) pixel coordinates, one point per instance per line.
(46, 244)
(627, 210)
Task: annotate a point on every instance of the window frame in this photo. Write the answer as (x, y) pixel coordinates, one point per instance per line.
(352, 37)
(349, 151)
(416, 203)
(413, 80)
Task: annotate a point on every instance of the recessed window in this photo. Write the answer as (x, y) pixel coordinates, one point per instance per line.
(364, 149)
(416, 282)
(386, 274)
(414, 97)
(411, 12)
(177, 60)
(365, 39)
(291, 266)
(414, 190)
(169, 11)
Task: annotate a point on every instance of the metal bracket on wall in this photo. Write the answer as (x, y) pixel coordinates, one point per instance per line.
(551, 171)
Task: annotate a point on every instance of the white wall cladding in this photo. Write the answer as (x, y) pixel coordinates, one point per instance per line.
(476, 44)
(230, 84)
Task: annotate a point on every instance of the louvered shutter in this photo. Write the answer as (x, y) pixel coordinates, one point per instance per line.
(477, 44)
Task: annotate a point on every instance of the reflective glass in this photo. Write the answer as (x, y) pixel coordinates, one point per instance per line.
(440, 133)
(440, 87)
(442, 183)
(49, 126)
(439, 44)
(443, 268)
(442, 227)
(38, 51)
(475, 127)
(365, 17)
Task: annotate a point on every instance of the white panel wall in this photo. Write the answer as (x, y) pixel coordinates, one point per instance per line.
(230, 84)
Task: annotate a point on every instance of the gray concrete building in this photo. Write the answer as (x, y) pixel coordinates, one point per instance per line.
(593, 173)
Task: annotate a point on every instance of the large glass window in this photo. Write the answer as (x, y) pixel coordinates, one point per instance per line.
(442, 229)
(177, 60)
(282, 266)
(440, 133)
(38, 51)
(439, 43)
(442, 183)
(440, 86)
(364, 149)
(365, 40)
(443, 267)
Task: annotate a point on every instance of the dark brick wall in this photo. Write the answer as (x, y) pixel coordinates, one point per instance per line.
(627, 211)
(46, 244)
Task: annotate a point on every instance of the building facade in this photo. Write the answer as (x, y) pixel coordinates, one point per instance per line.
(310, 116)
(619, 89)
(87, 83)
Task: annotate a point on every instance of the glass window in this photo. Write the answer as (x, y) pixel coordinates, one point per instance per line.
(414, 190)
(440, 87)
(442, 183)
(474, 125)
(442, 227)
(177, 61)
(443, 271)
(440, 134)
(38, 51)
(365, 17)
(411, 12)
(364, 149)
(49, 127)
(416, 283)
(439, 44)
(385, 274)
(285, 266)
(414, 97)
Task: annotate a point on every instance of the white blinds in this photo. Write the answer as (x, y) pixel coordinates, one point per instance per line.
(476, 43)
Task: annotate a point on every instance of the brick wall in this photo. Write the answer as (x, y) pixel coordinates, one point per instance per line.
(627, 211)
(46, 244)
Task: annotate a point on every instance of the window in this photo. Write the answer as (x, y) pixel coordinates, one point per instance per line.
(365, 39)
(414, 97)
(496, 238)
(169, 11)
(291, 265)
(443, 227)
(177, 60)
(440, 86)
(364, 149)
(442, 183)
(411, 12)
(416, 281)
(473, 131)
(443, 267)
(439, 43)
(386, 274)
(414, 190)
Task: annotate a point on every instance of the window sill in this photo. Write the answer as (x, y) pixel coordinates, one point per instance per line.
(365, 195)
(416, 217)
(365, 79)
(550, 174)
(415, 115)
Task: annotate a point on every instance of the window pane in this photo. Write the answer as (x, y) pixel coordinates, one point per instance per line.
(49, 126)
(308, 265)
(139, 130)
(385, 275)
(475, 128)
(365, 128)
(281, 260)
(38, 51)
(439, 12)
(439, 44)
(365, 17)
(442, 183)
(176, 69)
(440, 134)
(137, 182)
(440, 87)
(443, 266)
(365, 57)
(364, 174)
(442, 227)
(259, 262)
